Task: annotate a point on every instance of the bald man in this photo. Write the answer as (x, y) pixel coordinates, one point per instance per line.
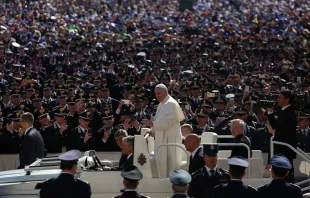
(166, 128)
(192, 145)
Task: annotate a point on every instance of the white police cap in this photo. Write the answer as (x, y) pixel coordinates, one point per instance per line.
(70, 155)
(238, 161)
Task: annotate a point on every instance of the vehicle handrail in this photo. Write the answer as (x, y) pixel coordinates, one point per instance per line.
(302, 155)
(249, 153)
(224, 136)
(169, 144)
(302, 182)
(302, 152)
(219, 144)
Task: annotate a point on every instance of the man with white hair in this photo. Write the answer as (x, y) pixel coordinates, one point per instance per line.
(237, 130)
(166, 129)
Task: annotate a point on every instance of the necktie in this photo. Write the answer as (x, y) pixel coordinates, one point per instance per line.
(304, 132)
(212, 173)
(191, 158)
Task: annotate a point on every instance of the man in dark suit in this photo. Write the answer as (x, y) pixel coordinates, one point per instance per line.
(237, 130)
(180, 180)
(235, 187)
(196, 162)
(131, 175)
(285, 128)
(128, 150)
(65, 185)
(32, 146)
(206, 178)
(278, 186)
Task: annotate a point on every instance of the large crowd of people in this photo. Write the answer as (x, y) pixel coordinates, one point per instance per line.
(87, 70)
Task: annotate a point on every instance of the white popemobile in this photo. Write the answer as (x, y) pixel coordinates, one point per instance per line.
(106, 184)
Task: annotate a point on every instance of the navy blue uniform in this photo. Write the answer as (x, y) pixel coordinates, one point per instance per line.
(131, 194)
(235, 189)
(279, 188)
(202, 183)
(65, 186)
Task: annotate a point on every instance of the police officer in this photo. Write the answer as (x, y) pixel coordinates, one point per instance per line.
(303, 132)
(131, 175)
(206, 178)
(180, 180)
(65, 185)
(235, 187)
(278, 186)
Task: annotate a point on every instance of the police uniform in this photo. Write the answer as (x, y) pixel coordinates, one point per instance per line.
(10, 141)
(279, 187)
(235, 188)
(132, 174)
(205, 179)
(75, 138)
(65, 185)
(54, 140)
(303, 135)
(180, 177)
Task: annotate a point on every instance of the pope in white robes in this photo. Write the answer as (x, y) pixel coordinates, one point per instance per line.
(166, 129)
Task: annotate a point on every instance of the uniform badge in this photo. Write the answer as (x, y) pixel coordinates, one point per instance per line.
(212, 147)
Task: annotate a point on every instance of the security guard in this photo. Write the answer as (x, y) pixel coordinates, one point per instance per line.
(235, 187)
(278, 186)
(65, 185)
(180, 180)
(206, 178)
(131, 175)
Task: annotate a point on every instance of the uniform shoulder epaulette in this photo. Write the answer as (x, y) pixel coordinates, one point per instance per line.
(294, 186)
(223, 170)
(196, 173)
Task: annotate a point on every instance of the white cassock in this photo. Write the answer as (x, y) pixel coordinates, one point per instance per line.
(167, 129)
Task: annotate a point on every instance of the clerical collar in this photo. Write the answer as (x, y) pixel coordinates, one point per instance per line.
(165, 100)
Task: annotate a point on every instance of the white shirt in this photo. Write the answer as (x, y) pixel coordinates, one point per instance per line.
(194, 152)
(129, 156)
(209, 169)
(28, 130)
(82, 129)
(285, 107)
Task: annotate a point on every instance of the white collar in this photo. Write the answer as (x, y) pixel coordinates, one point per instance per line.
(130, 190)
(82, 129)
(283, 108)
(165, 100)
(209, 169)
(129, 155)
(195, 151)
(27, 130)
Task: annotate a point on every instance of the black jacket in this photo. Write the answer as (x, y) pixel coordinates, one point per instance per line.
(285, 131)
(280, 188)
(65, 186)
(32, 147)
(130, 194)
(75, 140)
(202, 183)
(235, 189)
(196, 162)
(9, 142)
(241, 150)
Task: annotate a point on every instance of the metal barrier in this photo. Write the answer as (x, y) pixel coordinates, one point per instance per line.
(298, 151)
(169, 144)
(219, 144)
